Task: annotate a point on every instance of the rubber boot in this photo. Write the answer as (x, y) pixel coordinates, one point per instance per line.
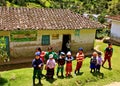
(39, 81)
(75, 72)
(62, 74)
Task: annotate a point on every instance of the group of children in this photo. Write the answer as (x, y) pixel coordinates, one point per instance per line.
(50, 58)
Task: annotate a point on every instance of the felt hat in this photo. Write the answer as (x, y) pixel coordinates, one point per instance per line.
(51, 56)
(68, 53)
(62, 53)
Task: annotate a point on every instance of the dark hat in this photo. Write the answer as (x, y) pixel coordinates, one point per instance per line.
(50, 48)
(80, 49)
(99, 53)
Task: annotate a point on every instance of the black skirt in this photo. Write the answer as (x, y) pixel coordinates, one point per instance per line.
(50, 72)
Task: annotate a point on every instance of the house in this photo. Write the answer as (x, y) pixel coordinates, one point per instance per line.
(115, 28)
(27, 28)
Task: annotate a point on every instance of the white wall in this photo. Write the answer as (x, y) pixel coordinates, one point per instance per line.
(115, 30)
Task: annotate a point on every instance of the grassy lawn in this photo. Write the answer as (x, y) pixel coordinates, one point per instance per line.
(23, 77)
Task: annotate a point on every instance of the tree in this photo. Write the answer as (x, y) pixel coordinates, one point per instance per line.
(2, 3)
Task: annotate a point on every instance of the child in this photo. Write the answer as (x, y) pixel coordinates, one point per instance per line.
(68, 59)
(93, 62)
(108, 55)
(50, 65)
(99, 62)
(79, 58)
(37, 63)
(50, 51)
(61, 62)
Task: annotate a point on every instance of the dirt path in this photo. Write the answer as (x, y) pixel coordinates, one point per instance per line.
(113, 83)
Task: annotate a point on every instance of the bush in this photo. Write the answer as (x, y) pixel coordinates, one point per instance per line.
(101, 33)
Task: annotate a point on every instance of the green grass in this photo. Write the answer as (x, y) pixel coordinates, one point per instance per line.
(23, 77)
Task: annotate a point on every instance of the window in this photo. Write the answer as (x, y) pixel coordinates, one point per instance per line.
(23, 35)
(45, 39)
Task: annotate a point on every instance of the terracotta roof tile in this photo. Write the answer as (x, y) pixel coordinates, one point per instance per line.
(116, 17)
(43, 18)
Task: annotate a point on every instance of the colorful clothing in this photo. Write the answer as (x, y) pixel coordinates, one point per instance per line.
(50, 68)
(42, 54)
(55, 56)
(108, 55)
(61, 62)
(37, 70)
(93, 62)
(79, 58)
(99, 62)
(69, 64)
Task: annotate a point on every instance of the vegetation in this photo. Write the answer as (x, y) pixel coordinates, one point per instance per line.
(23, 35)
(80, 6)
(3, 52)
(23, 77)
(102, 33)
(101, 7)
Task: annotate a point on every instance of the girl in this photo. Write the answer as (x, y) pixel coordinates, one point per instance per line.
(93, 61)
(68, 59)
(50, 65)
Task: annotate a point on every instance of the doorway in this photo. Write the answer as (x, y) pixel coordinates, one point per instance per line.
(66, 38)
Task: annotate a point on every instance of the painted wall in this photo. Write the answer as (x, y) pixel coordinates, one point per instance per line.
(115, 31)
(4, 33)
(83, 38)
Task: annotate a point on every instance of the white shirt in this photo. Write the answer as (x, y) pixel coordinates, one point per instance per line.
(50, 63)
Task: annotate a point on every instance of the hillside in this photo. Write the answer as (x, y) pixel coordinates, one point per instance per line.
(80, 6)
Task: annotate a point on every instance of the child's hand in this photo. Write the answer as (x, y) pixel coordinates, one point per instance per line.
(39, 65)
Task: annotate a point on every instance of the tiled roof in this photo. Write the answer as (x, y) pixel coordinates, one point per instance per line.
(43, 18)
(116, 17)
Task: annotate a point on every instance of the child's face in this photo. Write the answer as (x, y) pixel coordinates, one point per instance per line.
(80, 51)
(110, 46)
(99, 55)
(37, 57)
(69, 55)
(63, 56)
(94, 55)
(51, 58)
(50, 50)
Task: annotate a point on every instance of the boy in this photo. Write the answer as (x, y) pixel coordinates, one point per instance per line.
(61, 62)
(93, 61)
(50, 65)
(79, 58)
(108, 55)
(99, 62)
(37, 63)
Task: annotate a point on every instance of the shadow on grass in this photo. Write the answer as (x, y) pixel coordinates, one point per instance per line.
(98, 74)
(38, 84)
(3, 81)
(69, 77)
(79, 73)
(107, 68)
(51, 80)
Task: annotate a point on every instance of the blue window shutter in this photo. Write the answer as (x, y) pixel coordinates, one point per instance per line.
(45, 39)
